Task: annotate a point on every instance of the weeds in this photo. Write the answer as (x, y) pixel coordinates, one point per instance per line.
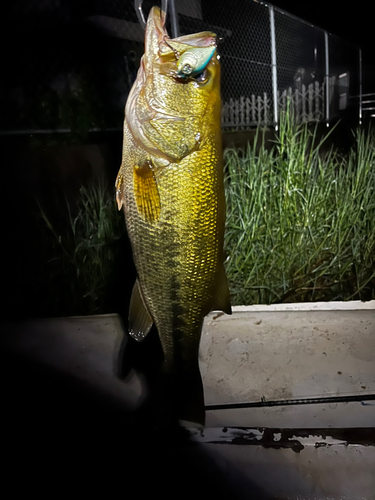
(300, 224)
(85, 254)
(300, 227)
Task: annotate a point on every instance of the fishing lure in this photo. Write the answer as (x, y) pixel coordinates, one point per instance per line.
(194, 61)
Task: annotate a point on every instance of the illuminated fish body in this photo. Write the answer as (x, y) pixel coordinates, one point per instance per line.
(170, 185)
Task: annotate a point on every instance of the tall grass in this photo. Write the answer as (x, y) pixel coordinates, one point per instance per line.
(300, 222)
(300, 227)
(85, 253)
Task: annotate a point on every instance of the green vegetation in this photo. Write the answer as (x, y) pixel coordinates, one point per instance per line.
(82, 269)
(300, 227)
(300, 222)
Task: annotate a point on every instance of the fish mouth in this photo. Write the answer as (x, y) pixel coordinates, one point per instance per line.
(158, 43)
(155, 33)
(146, 110)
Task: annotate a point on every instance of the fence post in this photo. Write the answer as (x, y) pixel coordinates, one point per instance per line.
(231, 111)
(327, 77)
(283, 100)
(247, 111)
(274, 67)
(242, 121)
(259, 101)
(303, 100)
(297, 105)
(360, 85)
(317, 101)
(310, 100)
(253, 105)
(265, 108)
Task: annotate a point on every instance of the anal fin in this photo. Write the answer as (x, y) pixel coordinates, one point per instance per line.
(221, 299)
(140, 321)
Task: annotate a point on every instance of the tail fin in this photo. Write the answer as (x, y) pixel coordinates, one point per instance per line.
(185, 391)
(177, 399)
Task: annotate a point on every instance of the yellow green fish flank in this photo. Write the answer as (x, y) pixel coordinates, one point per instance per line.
(170, 185)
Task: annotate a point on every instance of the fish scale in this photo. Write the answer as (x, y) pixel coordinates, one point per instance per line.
(179, 249)
(170, 184)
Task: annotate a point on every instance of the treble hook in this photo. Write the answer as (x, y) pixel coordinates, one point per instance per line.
(140, 15)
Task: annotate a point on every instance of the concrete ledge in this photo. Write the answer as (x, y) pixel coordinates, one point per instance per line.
(353, 305)
(290, 354)
(289, 451)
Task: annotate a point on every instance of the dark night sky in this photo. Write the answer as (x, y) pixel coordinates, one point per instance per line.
(351, 21)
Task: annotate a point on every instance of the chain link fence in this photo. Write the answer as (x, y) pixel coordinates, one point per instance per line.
(69, 64)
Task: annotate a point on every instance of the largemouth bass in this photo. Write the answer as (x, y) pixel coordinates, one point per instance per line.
(170, 185)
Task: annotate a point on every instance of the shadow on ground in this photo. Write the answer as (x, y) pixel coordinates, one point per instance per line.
(62, 437)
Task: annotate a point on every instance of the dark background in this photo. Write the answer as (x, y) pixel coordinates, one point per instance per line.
(352, 21)
(74, 436)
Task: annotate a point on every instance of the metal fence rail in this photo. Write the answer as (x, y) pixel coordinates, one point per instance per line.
(78, 60)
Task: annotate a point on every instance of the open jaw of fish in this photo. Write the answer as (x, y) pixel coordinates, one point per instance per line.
(170, 185)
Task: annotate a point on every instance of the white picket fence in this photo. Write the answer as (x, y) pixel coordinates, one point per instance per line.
(306, 103)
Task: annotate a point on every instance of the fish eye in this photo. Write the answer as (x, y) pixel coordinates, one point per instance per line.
(186, 70)
(202, 77)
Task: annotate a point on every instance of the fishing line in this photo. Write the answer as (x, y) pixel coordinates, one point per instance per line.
(140, 15)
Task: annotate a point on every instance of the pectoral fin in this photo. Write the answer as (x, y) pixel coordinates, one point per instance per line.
(146, 192)
(119, 190)
(140, 321)
(221, 299)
